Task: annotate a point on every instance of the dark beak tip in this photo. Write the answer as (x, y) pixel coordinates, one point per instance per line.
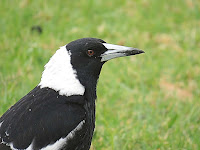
(140, 52)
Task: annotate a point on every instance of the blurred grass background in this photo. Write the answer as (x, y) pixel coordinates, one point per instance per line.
(145, 102)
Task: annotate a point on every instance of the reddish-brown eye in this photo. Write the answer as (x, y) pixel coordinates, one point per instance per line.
(90, 52)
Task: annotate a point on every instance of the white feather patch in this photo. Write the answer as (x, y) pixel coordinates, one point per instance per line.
(0, 127)
(60, 76)
(57, 145)
(13, 148)
(62, 141)
(1, 124)
(30, 147)
(11, 144)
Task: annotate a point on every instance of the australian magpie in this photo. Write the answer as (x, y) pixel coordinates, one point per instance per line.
(59, 113)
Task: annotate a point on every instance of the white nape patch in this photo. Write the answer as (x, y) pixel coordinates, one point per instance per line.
(60, 76)
(62, 141)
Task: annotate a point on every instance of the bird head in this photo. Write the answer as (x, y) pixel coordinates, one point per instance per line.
(89, 54)
(78, 64)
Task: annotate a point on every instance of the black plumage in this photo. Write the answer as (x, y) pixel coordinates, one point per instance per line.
(46, 118)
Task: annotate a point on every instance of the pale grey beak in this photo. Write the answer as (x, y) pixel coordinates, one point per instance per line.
(115, 51)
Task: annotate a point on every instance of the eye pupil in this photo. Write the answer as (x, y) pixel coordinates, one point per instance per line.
(90, 52)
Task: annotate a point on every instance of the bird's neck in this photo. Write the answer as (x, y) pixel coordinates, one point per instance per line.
(90, 95)
(60, 75)
(89, 81)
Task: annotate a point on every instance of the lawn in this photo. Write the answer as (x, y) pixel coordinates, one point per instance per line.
(145, 102)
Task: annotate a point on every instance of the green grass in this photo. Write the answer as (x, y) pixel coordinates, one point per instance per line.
(145, 102)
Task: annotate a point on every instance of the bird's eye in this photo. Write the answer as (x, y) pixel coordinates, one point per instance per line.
(90, 53)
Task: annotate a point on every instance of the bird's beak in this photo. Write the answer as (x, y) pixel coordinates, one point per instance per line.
(115, 51)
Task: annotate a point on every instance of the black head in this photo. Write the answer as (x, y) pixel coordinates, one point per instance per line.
(89, 54)
(85, 56)
(85, 53)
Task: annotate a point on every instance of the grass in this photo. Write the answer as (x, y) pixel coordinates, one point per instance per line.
(145, 102)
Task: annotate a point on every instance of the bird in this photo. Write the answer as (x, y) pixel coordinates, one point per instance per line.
(59, 113)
